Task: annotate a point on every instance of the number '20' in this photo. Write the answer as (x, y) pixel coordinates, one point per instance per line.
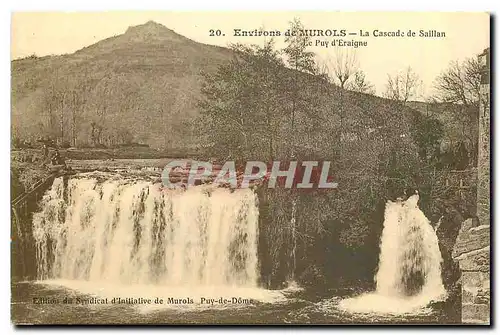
(215, 32)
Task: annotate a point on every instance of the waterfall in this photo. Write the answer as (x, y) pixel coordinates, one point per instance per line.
(409, 272)
(293, 253)
(410, 259)
(128, 232)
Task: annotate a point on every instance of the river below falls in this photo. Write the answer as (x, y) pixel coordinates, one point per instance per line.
(296, 307)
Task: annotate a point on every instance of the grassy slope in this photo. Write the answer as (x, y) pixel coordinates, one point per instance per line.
(145, 81)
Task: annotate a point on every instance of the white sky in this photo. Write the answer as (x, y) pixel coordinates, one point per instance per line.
(467, 34)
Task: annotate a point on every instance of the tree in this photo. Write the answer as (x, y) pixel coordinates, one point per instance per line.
(297, 56)
(301, 61)
(271, 68)
(427, 133)
(460, 83)
(102, 90)
(341, 69)
(53, 108)
(403, 86)
(344, 66)
(361, 84)
(242, 107)
(78, 97)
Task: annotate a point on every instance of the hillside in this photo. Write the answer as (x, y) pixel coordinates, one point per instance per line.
(140, 86)
(460, 123)
(143, 86)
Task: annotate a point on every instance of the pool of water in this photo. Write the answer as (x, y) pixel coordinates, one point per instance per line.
(44, 303)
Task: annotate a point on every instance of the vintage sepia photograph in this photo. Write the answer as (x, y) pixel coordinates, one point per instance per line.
(243, 168)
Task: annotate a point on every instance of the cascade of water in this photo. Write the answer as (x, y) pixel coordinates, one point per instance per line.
(131, 232)
(293, 224)
(409, 272)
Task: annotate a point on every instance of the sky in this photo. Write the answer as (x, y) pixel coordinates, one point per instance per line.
(466, 35)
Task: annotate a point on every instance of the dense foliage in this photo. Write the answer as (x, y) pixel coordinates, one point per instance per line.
(269, 104)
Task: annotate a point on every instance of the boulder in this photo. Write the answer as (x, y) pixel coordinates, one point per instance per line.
(471, 238)
(477, 260)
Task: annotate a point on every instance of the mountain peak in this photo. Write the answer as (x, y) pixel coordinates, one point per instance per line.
(152, 30)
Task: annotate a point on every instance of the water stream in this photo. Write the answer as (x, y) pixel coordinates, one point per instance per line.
(409, 272)
(108, 236)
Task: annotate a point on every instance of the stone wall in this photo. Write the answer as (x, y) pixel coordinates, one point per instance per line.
(472, 248)
(472, 251)
(483, 161)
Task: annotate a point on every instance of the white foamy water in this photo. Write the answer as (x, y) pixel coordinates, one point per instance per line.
(130, 238)
(409, 273)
